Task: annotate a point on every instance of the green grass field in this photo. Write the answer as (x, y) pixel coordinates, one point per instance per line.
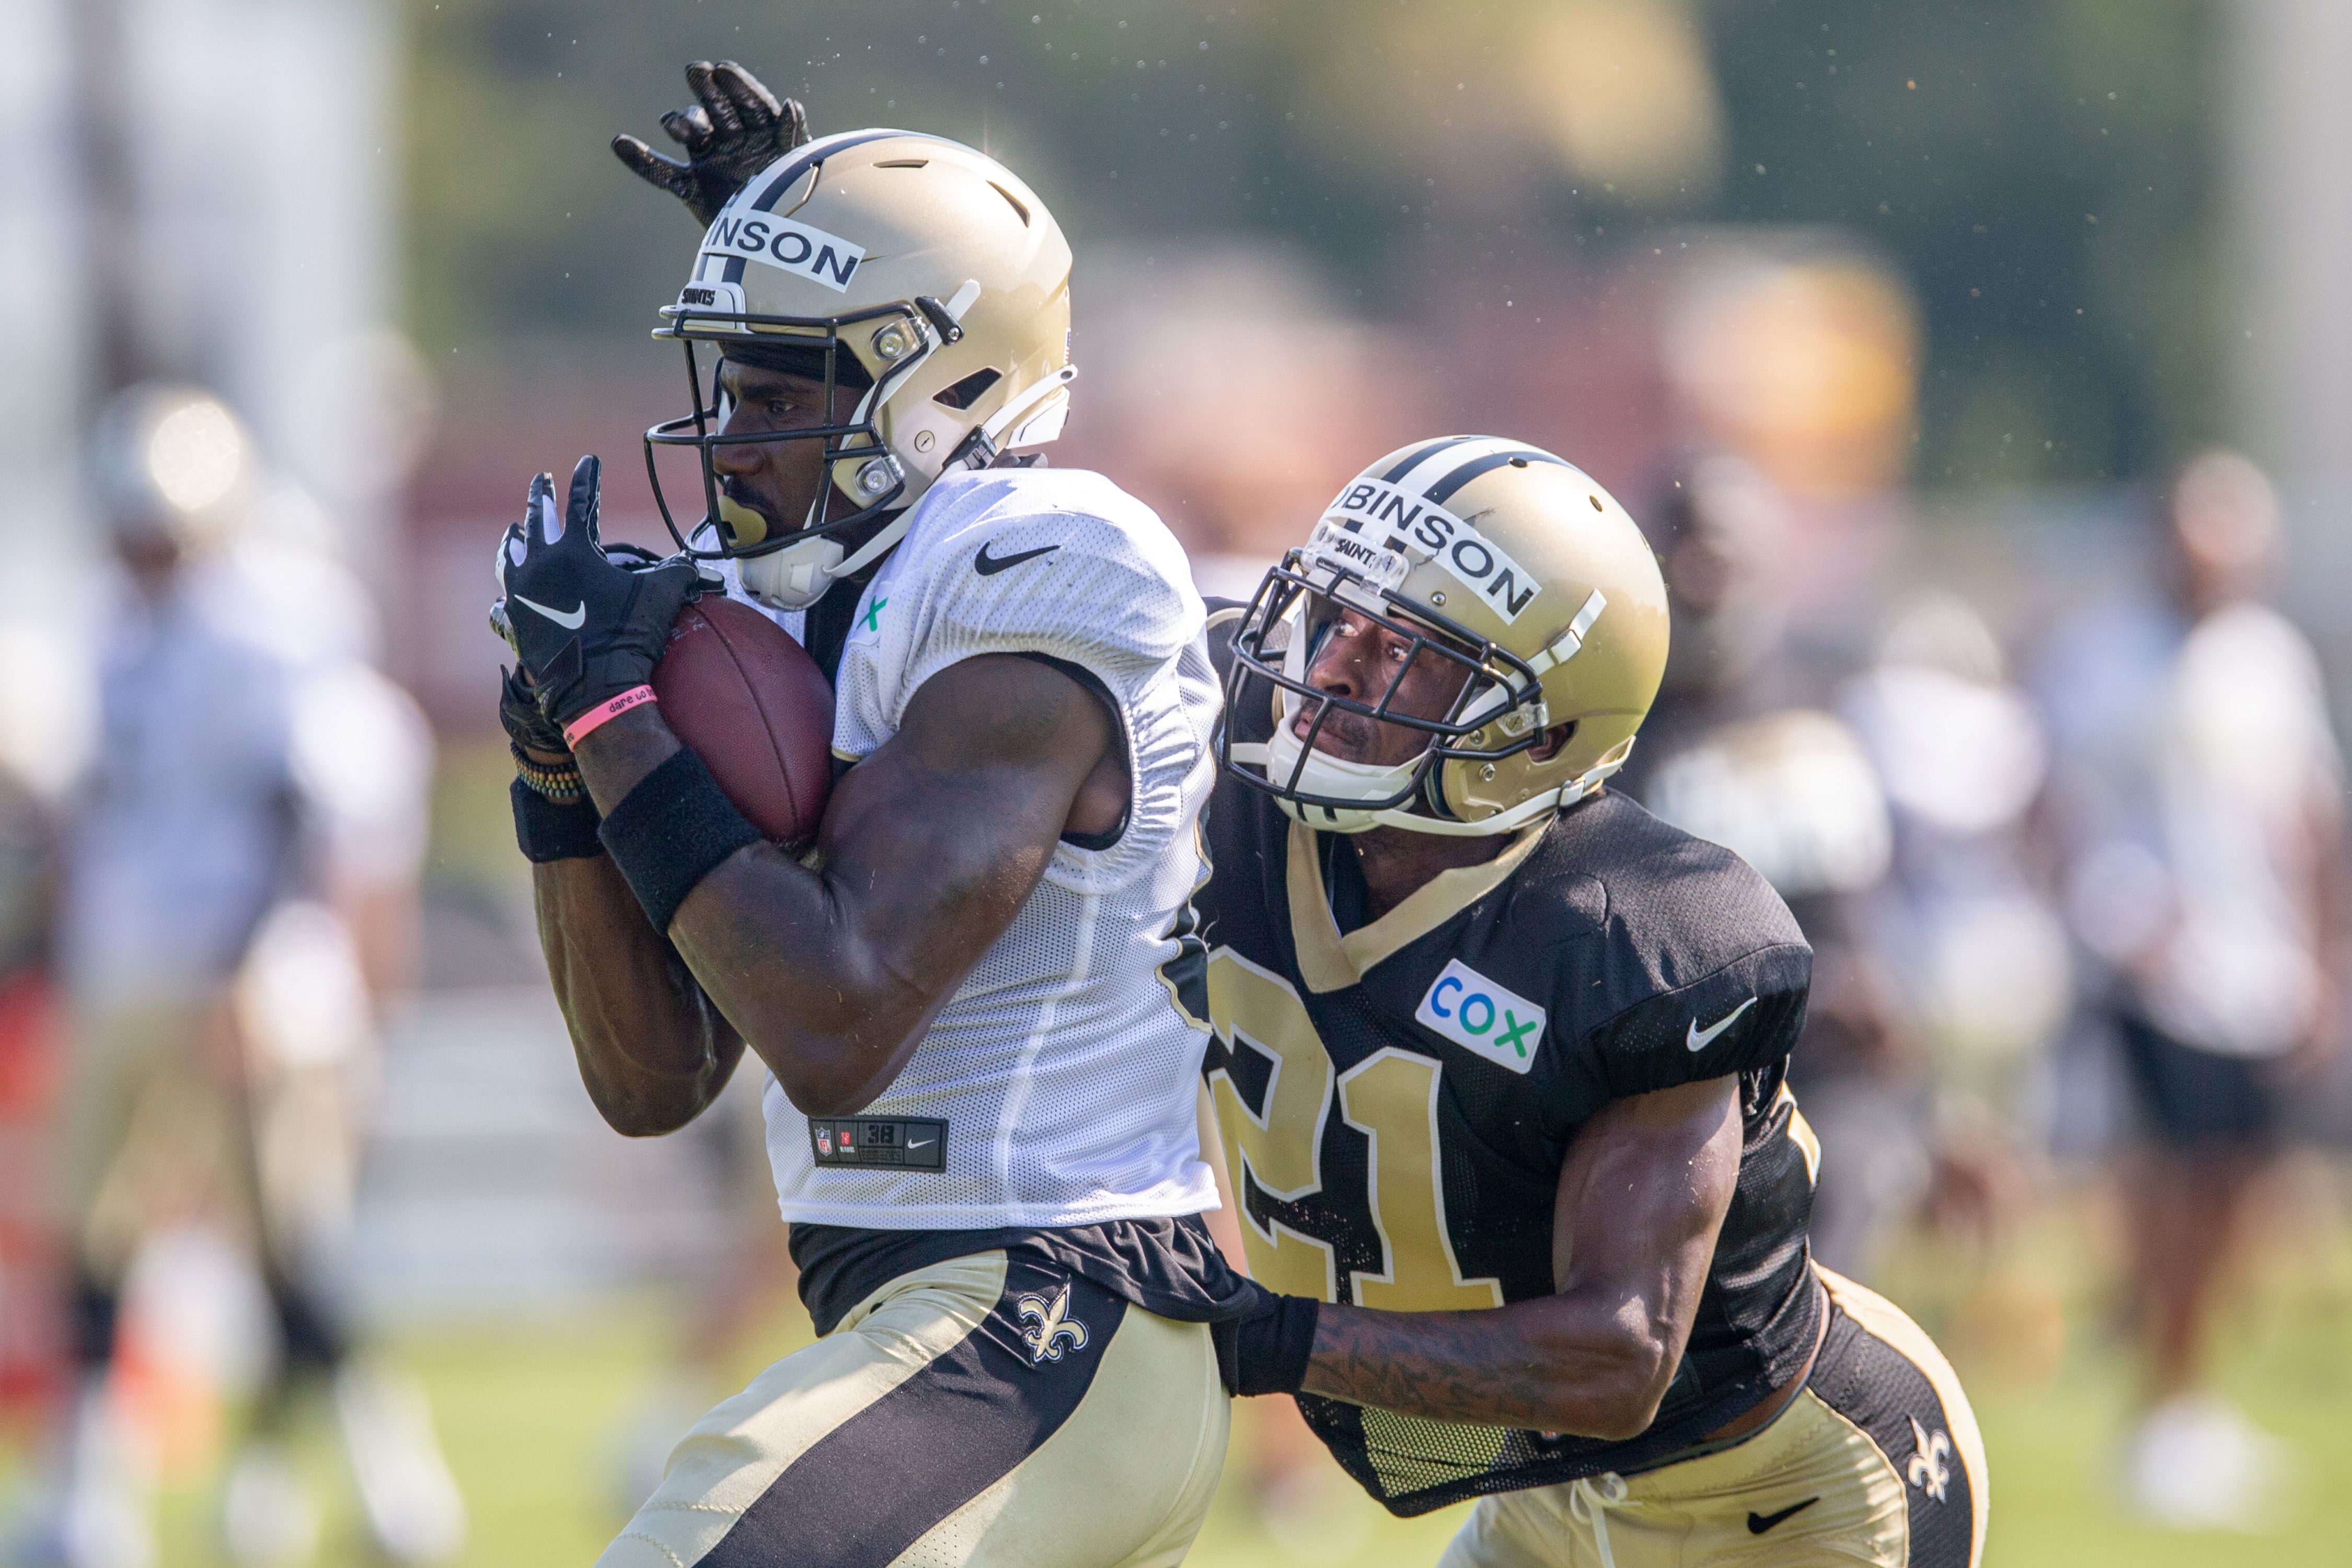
(528, 1414)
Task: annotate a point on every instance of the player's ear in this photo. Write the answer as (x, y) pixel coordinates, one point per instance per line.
(1548, 748)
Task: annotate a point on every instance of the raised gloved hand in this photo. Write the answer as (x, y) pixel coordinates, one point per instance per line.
(737, 129)
(586, 626)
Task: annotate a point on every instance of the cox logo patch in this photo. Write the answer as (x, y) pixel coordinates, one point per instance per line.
(1479, 1016)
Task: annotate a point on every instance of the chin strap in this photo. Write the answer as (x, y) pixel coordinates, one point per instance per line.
(873, 549)
(980, 449)
(775, 579)
(1345, 819)
(1570, 641)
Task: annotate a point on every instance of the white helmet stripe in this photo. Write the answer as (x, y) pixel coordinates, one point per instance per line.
(1445, 460)
(766, 188)
(1442, 490)
(1397, 471)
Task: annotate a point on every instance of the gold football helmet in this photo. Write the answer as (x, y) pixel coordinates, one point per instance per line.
(911, 268)
(1505, 560)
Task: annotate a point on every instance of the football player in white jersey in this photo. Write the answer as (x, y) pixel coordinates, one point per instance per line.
(974, 1011)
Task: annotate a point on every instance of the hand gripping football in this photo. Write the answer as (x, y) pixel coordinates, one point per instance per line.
(756, 708)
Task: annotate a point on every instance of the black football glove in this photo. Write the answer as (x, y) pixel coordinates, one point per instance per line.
(737, 129)
(519, 712)
(1266, 1349)
(585, 627)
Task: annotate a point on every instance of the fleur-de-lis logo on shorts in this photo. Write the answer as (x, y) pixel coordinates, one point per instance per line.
(1931, 1469)
(1050, 1323)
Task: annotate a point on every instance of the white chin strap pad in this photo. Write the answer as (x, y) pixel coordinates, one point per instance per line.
(1332, 777)
(794, 577)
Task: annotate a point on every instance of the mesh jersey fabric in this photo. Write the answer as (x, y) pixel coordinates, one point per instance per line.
(1636, 941)
(1065, 1065)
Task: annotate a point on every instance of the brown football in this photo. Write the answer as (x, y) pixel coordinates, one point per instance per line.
(756, 708)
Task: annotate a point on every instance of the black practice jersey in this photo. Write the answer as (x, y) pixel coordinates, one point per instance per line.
(1396, 1099)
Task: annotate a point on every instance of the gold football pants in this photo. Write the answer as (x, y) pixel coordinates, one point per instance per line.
(156, 1099)
(988, 1412)
(1877, 1461)
(168, 1104)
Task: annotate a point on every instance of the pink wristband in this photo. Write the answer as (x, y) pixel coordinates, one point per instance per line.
(580, 729)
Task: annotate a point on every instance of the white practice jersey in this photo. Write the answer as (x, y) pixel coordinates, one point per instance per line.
(1065, 1066)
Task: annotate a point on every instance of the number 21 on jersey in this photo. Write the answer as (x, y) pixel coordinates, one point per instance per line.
(1390, 1097)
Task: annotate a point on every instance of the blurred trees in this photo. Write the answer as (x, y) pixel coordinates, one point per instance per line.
(2042, 170)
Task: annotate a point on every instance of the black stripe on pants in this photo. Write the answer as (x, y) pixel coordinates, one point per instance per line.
(875, 1484)
(1884, 1393)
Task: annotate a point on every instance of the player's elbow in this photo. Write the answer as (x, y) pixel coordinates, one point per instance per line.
(819, 1095)
(839, 1064)
(1625, 1405)
(641, 1116)
(1613, 1412)
(828, 1077)
(1616, 1385)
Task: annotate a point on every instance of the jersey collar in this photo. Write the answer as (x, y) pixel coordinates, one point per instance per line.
(1331, 961)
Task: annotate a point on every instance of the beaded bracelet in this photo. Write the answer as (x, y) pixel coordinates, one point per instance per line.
(561, 784)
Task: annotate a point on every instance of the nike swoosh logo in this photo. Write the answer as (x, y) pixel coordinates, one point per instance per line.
(1757, 1523)
(1699, 1039)
(570, 623)
(989, 565)
(920, 1142)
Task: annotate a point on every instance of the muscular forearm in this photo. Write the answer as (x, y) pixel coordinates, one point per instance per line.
(1642, 1195)
(930, 847)
(652, 1050)
(829, 1010)
(766, 942)
(1565, 1364)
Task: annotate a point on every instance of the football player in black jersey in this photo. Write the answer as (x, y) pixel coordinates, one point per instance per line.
(1499, 1067)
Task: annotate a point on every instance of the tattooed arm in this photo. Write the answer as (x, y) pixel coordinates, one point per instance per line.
(1642, 1193)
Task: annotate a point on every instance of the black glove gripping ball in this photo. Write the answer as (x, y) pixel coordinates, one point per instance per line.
(586, 627)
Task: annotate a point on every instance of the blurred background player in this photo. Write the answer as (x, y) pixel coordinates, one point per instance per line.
(237, 892)
(1859, 747)
(2198, 806)
(1743, 749)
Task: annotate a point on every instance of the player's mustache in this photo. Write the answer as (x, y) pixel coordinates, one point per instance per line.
(742, 495)
(1344, 729)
